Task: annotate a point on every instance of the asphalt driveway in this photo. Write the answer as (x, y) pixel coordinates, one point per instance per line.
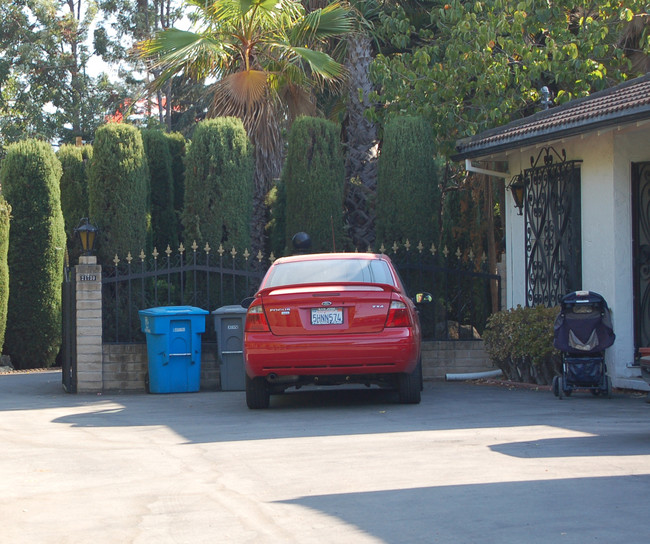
(470, 464)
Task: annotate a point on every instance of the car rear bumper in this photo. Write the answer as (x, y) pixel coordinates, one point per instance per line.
(397, 350)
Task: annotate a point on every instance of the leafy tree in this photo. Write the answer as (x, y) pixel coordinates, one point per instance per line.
(118, 191)
(30, 176)
(266, 63)
(5, 214)
(45, 89)
(161, 188)
(408, 184)
(313, 180)
(477, 65)
(219, 185)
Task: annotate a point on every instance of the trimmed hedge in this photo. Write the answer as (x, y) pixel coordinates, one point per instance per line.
(5, 215)
(177, 150)
(118, 191)
(314, 184)
(30, 177)
(161, 189)
(520, 342)
(408, 193)
(219, 185)
(74, 191)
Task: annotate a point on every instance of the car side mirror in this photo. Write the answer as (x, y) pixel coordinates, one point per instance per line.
(247, 302)
(423, 297)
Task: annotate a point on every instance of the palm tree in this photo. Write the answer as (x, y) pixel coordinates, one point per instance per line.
(265, 60)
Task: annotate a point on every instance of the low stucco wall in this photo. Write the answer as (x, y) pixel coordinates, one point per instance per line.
(125, 365)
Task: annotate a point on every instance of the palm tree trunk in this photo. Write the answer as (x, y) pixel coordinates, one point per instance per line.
(362, 144)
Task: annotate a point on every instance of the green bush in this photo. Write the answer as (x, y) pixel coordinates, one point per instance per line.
(177, 150)
(118, 191)
(520, 342)
(408, 193)
(30, 177)
(161, 189)
(219, 185)
(74, 190)
(5, 214)
(314, 181)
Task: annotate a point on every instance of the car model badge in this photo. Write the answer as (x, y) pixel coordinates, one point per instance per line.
(326, 303)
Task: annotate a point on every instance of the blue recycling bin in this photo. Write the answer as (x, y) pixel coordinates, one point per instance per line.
(173, 347)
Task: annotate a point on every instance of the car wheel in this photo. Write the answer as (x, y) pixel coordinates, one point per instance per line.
(409, 386)
(258, 394)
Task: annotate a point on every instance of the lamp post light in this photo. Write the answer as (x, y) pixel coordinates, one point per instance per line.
(517, 188)
(87, 234)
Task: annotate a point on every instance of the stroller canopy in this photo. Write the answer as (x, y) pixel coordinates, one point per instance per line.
(584, 324)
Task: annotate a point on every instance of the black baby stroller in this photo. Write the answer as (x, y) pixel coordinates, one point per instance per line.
(583, 331)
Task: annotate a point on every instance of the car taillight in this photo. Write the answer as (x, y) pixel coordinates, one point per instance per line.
(398, 315)
(256, 320)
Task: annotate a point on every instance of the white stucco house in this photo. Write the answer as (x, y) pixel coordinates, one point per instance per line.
(585, 219)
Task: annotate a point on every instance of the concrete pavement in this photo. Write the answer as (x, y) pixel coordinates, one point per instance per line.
(470, 464)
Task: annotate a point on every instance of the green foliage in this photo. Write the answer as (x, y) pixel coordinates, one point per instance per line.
(74, 190)
(118, 191)
(276, 202)
(219, 185)
(177, 149)
(5, 214)
(314, 180)
(477, 65)
(407, 183)
(520, 342)
(30, 177)
(161, 188)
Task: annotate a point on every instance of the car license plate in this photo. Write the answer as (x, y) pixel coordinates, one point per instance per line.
(327, 316)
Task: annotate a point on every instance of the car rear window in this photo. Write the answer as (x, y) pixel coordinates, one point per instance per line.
(329, 270)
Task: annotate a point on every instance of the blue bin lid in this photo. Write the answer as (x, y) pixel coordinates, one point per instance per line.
(173, 310)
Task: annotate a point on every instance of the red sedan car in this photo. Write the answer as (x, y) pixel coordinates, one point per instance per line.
(332, 319)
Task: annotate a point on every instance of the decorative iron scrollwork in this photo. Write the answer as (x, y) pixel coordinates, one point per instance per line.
(552, 219)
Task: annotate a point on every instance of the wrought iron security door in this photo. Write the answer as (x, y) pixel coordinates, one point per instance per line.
(641, 245)
(552, 218)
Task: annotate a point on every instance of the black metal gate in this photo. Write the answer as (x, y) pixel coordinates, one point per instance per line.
(553, 239)
(69, 332)
(641, 255)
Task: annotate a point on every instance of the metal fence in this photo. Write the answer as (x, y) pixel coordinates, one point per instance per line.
(459, 284)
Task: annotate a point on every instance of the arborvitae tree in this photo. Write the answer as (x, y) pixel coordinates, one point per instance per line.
(408, 195)
(177, 150)
(5, 213)
(161, 187)
(219, 185)
(117, 191)
(74, 190)
(30, 177)
(314, 179)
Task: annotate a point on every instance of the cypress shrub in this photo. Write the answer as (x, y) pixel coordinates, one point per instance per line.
(30, 177)
(314, 179)
(219, 185)
(5, 213)
(161, 189)
(118, 191)
(74, 190)
(177, 150)
(408, 196)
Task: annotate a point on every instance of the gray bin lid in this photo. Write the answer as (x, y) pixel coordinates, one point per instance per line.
(233, 309)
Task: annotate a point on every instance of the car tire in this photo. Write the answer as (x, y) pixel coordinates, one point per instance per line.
(409, 386)
(258, 395)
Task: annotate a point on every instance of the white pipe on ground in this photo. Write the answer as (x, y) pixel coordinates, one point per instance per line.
(473, 375)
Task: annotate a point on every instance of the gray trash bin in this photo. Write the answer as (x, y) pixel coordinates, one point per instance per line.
(229, 322)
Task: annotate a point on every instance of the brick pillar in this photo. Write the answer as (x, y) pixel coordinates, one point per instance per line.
(88, 277)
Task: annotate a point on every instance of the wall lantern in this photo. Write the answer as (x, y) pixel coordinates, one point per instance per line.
(517, 188)
(87, 234)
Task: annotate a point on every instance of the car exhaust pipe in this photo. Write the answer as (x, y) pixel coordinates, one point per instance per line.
(273, 377)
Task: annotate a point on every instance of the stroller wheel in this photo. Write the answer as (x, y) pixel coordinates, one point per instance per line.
(560, 388)
(609, 387)
(554, 387)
